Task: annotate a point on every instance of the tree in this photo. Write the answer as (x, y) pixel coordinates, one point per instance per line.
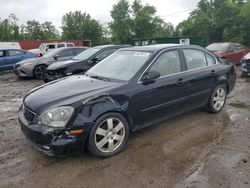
(78, 25)
(121, 26)
(137, 21)
(9, 29)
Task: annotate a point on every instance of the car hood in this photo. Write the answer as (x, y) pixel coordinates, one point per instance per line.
(61, 64)
(34, 60)
(66, 91)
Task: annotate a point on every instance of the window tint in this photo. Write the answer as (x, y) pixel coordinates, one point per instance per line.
(210, 60)
(195, 59)
(66, 53)
(70, 45)
(104, 54)
(60, 45)
(168, 63)
(51, 46)
(78, 50)
(15, 52)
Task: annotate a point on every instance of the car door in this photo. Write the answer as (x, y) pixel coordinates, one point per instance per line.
(12, 57)
(201, 75)
(2, 59)
(165, 96)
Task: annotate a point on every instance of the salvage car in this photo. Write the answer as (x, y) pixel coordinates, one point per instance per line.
(36, 67)
(131, 89)
(81, 63)
(245, 66)
(230, 51)
(9, 57)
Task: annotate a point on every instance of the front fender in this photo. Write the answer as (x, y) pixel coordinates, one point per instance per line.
(91, 109)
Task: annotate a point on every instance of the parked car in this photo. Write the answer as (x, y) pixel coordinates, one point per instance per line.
(231, 51)
(130, 89)
(36, 67)
(245, 66)
(9, 57)
(47, 47)
(81, 63)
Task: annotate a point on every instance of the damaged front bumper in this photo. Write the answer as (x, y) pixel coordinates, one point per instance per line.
(51, 141)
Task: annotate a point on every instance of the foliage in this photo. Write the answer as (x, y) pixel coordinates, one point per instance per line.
(78, 25)
(137, 21)
(218, 20)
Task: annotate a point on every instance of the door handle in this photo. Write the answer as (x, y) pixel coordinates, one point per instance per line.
(180, 82)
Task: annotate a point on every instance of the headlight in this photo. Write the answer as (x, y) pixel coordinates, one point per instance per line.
(57, 117)
(27, 64)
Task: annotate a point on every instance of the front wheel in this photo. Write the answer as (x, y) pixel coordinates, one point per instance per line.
(217, 99)
(109, 135)
(39, 71)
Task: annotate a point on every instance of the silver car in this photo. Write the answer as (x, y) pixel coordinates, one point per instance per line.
(35, 67)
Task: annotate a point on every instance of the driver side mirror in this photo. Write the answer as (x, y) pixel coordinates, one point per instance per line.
(150, 76)
(56, 56)
(95, 60)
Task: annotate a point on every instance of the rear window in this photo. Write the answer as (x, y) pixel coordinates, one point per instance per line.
(15, 52)
(70, 45)
(195, 59)
(60, 45)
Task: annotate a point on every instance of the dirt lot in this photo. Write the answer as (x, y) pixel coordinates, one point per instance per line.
(196, 149)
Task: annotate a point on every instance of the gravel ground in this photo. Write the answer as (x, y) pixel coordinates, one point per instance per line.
(196, 149)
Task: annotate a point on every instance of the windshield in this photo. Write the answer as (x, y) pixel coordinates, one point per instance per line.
(218, 47)
(42, 46)
(52, 53)
(86, 54)
(122, 65)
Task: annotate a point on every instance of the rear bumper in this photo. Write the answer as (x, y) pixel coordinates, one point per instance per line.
(51, 141)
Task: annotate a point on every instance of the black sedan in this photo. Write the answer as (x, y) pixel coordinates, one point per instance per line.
(80, 63)
(132, 88)
(35, 67)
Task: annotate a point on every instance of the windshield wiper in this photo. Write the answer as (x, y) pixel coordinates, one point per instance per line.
(99, 77)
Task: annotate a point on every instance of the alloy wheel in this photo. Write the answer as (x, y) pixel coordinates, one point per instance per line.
(109, 135)
(219, 98)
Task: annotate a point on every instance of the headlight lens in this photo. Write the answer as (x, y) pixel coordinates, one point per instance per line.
(57, 117)
(27, 64)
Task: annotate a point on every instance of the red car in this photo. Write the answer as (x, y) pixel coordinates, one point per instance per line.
(231, 51)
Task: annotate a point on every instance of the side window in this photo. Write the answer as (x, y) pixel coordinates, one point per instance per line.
(210, 60)
(66, 53)
(60, 45)
(168, 63)
(15, 52)
(232, 48)
(239, 46)
(78, 50)
(51, 46)
(105, 54)
(70, 45)
(195, 59)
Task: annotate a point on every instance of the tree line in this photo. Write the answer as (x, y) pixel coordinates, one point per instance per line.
(212, 20)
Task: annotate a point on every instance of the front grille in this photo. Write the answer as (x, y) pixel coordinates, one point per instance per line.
(28, 114)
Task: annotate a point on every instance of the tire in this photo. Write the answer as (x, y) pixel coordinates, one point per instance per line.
(108, 136)
(217, 99)
(38, 71)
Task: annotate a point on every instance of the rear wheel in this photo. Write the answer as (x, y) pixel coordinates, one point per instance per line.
(39, 71)
(109, 135)
(217, 99)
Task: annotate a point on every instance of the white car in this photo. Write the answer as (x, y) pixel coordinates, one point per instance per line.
(10, 45)
(47, 47)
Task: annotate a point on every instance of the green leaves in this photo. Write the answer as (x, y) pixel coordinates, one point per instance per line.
(78, 25)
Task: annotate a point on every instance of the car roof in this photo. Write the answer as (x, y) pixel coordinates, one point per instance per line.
(11, 49)
(158, 47)
(111, 45)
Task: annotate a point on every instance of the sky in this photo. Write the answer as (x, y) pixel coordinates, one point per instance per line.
(173, 11)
